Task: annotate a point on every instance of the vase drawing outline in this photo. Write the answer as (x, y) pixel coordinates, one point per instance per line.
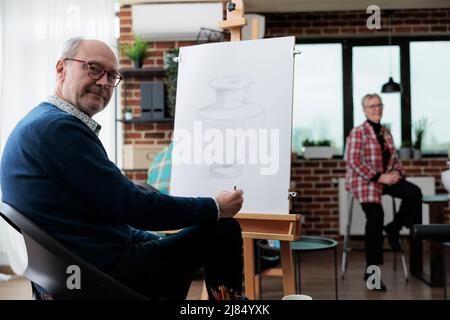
(230, 110)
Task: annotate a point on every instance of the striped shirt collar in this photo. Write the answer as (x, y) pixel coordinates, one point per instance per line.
(71, 109)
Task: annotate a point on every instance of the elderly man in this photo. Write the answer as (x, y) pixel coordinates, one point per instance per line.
(55, 170)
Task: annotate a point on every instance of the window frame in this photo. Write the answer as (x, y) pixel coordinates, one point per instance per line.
(405, 76)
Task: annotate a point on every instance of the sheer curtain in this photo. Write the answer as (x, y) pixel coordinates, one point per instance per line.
(31, 37)
(31, 41)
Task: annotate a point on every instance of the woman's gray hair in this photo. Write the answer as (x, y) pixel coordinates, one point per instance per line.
(369, 96)
(70, 47)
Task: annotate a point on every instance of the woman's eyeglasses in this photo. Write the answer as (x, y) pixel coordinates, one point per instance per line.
(373, 106)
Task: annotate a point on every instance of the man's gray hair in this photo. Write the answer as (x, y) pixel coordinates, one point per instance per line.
(70, 47)
(369, 96)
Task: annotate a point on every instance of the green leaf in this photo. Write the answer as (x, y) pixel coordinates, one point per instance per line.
(137, 50)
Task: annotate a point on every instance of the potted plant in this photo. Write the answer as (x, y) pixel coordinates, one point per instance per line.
(128, 114)
(137, 51)
(319, 149)
(171, 71)
(420, 127)
(405, 151)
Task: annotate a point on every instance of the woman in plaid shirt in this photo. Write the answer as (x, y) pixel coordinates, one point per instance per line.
(374, 169)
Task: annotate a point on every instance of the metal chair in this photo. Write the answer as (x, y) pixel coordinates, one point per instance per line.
(49, 263)
(346, 249)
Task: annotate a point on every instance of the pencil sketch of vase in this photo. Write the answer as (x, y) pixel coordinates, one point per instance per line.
(231, 111)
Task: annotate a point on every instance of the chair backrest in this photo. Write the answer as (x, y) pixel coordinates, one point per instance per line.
(51, 266)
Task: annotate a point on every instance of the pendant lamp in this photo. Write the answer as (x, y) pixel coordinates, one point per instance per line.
(391, 86)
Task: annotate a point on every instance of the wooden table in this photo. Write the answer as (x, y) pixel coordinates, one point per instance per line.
(435, 278)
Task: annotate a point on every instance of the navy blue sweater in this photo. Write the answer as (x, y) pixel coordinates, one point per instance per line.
(55, 170)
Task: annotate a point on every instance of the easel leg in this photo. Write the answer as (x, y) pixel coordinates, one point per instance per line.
(287, 265)
(249, 269)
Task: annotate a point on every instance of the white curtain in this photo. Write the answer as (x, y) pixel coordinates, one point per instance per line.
(31, 36)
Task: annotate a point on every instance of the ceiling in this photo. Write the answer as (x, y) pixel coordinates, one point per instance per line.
(265, 6)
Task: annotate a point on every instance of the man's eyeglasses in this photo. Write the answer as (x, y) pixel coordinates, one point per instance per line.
(373, 106)
(96, 72)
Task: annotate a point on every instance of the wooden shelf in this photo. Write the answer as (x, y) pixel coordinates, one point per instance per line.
(142, 73)
(138, 120)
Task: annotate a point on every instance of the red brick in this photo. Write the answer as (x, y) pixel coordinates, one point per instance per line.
(303, 171)
(144, 126)
(438, 163)
(302, 24)
(329, 164)
(312, 164)
(311, 178)
(134, 135)
(421, 29)
(438, 28)
(322, 171)
(164, 141)
(402, 29)
(155, 135)
(124, 13)
(312, 31)
(164, 126)
(349, 30)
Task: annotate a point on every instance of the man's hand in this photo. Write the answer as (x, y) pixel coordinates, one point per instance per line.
(389, 178)
(230, 202)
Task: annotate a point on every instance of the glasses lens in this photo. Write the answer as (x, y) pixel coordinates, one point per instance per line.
(96, 71)
(113, 79)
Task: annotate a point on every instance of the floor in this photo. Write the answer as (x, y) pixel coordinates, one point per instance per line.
(317, 274)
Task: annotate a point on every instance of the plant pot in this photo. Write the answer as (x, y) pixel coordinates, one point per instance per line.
(417, 154)
(138, 63)
(128, 116)
(405, 153)
(324, 152)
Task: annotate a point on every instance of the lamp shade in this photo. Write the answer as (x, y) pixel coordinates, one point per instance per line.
(391, 86)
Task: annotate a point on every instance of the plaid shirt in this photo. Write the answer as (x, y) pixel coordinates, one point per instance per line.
(364, 160)
(160, 170)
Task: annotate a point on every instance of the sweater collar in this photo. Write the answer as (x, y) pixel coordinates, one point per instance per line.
(71, 109)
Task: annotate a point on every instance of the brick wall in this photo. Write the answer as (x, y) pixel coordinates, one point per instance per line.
(353, 23)
(319, 200)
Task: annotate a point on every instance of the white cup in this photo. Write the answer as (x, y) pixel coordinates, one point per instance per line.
(297, 297)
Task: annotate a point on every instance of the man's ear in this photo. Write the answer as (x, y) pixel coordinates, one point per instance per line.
(60, 70)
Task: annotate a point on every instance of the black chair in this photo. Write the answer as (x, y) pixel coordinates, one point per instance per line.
(439, 233)
(50, 264)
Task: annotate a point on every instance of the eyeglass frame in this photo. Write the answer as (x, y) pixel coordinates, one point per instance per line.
(372, 107)
(120, 77)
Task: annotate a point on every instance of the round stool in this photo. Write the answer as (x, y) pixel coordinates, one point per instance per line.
(309, 244)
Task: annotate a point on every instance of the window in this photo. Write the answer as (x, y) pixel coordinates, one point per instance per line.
(371, 69)
(430, 92)
(318, 95)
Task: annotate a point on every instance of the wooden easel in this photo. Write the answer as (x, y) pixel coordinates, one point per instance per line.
(283, 227)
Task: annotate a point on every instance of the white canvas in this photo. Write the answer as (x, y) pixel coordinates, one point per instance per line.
(224, 87)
